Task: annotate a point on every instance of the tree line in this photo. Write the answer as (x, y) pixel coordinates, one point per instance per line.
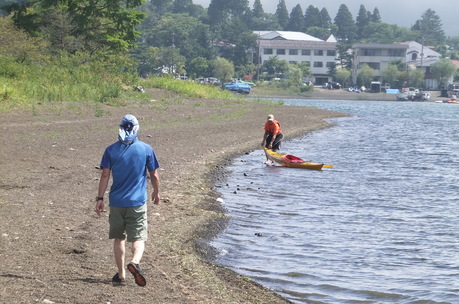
(165, 36)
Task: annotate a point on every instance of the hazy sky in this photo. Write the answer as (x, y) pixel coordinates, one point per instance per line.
(401, 12)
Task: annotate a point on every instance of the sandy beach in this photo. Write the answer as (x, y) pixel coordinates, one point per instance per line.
(53, 247)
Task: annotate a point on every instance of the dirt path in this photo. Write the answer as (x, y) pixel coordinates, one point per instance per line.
(54, 248)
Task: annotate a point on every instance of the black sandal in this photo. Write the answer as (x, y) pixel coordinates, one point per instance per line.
(137, 272)
(116, 281)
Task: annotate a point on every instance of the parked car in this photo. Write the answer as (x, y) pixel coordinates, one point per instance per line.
(403, 96)
(239, 87)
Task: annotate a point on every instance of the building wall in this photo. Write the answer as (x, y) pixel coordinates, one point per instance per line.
(318, 55)
(377, 56)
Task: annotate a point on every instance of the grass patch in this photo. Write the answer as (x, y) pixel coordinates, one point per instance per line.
(188, 88)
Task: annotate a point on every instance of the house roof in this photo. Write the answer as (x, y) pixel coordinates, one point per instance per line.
(416, 47)
(295, 44)
(285, 35)
(380, 46)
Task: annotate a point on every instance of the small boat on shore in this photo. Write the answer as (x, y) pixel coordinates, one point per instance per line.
(291, 161)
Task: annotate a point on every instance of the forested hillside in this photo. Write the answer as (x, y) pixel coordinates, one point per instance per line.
(132, 38)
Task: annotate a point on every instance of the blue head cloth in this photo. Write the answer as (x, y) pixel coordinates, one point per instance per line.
(129, 128)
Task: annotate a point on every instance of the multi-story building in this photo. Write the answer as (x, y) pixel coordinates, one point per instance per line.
(376, 56)
(422, 57)
(297, 47)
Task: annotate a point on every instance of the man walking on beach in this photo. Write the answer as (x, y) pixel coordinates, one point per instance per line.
(128, 161)
(273, 134)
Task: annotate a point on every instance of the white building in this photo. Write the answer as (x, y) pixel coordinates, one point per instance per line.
(297, 47)
(377, 57)
(422, 57)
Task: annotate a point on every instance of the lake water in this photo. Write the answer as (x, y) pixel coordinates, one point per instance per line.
(382, 226)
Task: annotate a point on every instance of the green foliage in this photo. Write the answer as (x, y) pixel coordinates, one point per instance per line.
(295, 22)
(385, 33)
(365, 76)
(443, 70)
(347, 30)
(275, 67)
(71, 78)
(429, 29)
(415, 78)
(343, 76)
(312, 18)
(391, 75)
(199, 67)
(183, 32)
(17, 44)
(171, 60)
(89, 25)
(187, 88)
(282, 14)
(223, 69)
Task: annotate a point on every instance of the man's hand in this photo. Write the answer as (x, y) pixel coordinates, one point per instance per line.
(155, 198)
(100, 207)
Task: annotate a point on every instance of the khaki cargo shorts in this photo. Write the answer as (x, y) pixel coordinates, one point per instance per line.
(128, 222)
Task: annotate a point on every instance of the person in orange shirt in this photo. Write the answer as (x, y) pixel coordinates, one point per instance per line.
(273, 134)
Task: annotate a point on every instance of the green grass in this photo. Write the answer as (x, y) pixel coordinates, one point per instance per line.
(80, 79)
(187, 88)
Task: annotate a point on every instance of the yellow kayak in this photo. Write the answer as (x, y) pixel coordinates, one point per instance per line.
(292, 161)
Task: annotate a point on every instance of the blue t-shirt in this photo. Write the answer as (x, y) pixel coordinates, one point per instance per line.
(129, 165)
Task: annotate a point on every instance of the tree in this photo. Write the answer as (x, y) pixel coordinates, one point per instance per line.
(311, 18)
(182, 31)
(390, 75)
(275, 67)
(261, 21)
(295, 22)
(429, 29)
(415, 77)
(375, 17)
(282, 14)
(223, 69)
(365, 75)
(198, 67)
(362, 20)
(60, 30)
(171, 61)
(257, 10)
(102, 25)
(294, 75)
(386, 33)
(18, 44)
(325, 20)
(343, 76)
(221, 11)
(148, 58)
(346, 25)
(443, 70)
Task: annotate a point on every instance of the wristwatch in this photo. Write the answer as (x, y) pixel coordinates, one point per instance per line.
(99, 198)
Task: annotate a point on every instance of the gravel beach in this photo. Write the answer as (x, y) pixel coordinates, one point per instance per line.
(53, 247)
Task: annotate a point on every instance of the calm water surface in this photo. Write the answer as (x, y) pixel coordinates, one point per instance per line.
(381, 227)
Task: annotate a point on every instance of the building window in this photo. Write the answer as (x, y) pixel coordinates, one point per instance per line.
(293, 52)
(319, 52)
(331, 53)
(268, 51)
(280, 51)
(307, 62)
(414, 56)
(330, 64)
(292, 62)
(370, 52)
(318, 64)
(306, 52)
(396, 53)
